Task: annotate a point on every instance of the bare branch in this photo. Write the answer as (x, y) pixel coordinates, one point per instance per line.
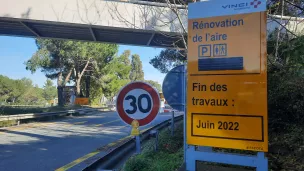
(283, 26)
(57, 17)
(297, 6)
(65, 7)
(168, 18)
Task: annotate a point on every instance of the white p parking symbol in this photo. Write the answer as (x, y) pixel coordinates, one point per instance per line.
(204, 51)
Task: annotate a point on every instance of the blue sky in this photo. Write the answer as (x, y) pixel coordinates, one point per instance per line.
(14, 51)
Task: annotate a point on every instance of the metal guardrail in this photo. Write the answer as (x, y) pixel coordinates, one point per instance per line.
(23, 106)
(39, 115)
(114, 158)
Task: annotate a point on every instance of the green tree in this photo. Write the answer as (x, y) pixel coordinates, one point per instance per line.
(52, 60)
(29, 94)
(106, 81)
(285, 82)
(125, 57)
(87, 56)
(32, 95)
(137, 73)
(117, 75)
(49, 91)
(168, 59)
(67, 60)
(155, 84)
(21, 91)
(6, 88)
(12, 90)
(20, 88)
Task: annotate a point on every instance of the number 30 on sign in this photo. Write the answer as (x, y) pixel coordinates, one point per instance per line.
(138, 101)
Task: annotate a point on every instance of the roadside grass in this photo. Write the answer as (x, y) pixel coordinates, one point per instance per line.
(8, 123)
(169, 156)
(286, 152)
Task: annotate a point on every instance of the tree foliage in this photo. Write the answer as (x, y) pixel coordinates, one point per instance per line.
(49, 90)
(285, 80)
(137, 73)
(67, 60)
(49, 58)
(72, 61)
(155, 84)
(22, 91)
(168, 59)
(6, 88)
(107, 80)
(117, 75)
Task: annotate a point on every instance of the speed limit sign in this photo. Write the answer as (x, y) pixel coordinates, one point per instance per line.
(138, 101)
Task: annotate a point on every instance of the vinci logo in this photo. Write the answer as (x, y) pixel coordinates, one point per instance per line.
(255, 3)
(243, 5)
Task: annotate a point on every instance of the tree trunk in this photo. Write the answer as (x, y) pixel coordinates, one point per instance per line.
(78, 86)
(67, 78)
(79, 76)
(59, 79)
(88, 81)
(60, 96)
(60, 90)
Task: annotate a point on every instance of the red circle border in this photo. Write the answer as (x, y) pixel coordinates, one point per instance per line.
(138, 85)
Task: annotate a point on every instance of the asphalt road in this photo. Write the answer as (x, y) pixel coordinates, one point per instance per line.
(51, 145)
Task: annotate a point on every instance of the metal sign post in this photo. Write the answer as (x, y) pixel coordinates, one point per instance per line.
(172, 124)
(184, 99)
(138, 149)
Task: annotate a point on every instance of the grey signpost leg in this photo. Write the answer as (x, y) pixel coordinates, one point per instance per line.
(172, 124)
(137, 144)
(156, 141)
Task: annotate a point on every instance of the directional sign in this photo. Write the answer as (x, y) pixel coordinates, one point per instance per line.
(138, 101)
(227, 76)
(172, 87)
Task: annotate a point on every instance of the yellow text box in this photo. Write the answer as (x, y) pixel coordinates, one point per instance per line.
(234, 127)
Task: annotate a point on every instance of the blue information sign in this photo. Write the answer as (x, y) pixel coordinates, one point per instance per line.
(173, 87)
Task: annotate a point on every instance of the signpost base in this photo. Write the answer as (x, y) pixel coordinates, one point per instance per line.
(259, 161)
